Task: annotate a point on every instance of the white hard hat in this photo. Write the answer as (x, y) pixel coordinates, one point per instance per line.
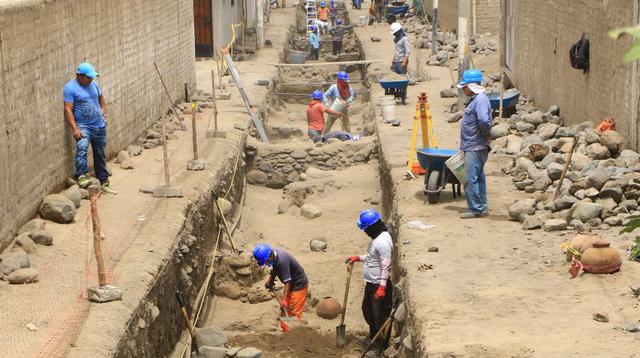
(395, 27)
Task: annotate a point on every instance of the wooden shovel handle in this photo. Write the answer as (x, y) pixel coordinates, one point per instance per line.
(346, 293)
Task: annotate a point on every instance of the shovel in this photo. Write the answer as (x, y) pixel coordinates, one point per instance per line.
(283, 326)
(341, 339)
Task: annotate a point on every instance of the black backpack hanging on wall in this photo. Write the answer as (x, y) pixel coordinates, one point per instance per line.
(579, 54)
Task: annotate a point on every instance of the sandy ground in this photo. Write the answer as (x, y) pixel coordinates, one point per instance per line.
(494, 290)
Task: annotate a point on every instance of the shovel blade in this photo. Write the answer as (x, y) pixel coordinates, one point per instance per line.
(341, 339)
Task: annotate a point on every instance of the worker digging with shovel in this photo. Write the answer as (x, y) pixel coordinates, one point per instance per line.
(287, 269)
(377, 301)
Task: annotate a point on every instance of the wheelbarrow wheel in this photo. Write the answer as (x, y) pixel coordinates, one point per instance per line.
(433, 183)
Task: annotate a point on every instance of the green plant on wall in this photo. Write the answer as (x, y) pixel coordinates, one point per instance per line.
(630, 226)
(634, 51)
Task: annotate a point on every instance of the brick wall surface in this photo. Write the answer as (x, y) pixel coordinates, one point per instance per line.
(41, 43)
(545, 31)
(487, 15)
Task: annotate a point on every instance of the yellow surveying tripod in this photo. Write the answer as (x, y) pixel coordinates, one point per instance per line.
(429, 140)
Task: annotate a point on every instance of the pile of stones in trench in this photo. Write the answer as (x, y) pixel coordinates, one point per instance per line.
(61, 208)
(601, 187)
(447, 42)
(213, 343)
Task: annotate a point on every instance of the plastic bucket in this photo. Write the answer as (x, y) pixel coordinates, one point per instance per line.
(387, 106)
(339, 105)
(456, 165)
(297, 56)
(363, 20)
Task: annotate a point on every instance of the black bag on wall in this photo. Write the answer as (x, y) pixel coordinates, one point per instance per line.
(579, 54)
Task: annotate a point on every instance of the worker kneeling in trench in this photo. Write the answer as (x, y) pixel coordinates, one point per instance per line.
(287, 269)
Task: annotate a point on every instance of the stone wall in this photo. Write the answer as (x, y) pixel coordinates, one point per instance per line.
(41, 44)
(544, 33)
(487, 15)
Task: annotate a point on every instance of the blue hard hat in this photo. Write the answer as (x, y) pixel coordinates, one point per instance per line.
(342, 75)
(470, 76)
(87, 70)
(339, 21)
(323, 3)
(313, 27)
(367, 218)
(261, 253)
(317, 94)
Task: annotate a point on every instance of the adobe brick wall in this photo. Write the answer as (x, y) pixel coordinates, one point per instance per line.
(487, 12)
(544, 33)
(41, 43)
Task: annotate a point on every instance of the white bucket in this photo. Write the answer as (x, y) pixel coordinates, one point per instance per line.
(363, 20)
(456, 165)
(339, 105)
(387, 106)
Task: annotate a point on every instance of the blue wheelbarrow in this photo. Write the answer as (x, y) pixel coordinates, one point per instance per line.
(400, 10)
(437, 175)
(397, 89)
(509, 101)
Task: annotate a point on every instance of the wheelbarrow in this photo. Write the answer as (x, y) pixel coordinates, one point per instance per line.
(397, 10)
(397, 89)
(509, 101)
(438, 175)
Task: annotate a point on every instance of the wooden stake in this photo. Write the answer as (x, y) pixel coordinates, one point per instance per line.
(194, 134)
(566, 166)
(215, 102)
(97, 249)
(501, 94)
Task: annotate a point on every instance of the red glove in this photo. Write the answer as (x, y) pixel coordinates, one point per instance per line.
(380, 292)
(284, 303)
(352, 259)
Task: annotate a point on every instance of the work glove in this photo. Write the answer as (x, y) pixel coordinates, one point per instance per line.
(380, 292)
(352, 259)
(285, 303)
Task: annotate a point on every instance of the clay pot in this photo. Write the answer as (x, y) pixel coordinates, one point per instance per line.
(328, 308)
(601, 258)
(580, 243)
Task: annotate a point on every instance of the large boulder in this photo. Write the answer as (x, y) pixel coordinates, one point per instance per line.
(514, 144)
(12, 261)
(58, 208)
(554, 170)
(597, 178)
(552, 158)
(500, 130)
(612, 140)
(537, 151)
(554, 225)
(579, 161)
(535, 118)
(210, 336)
(74, 194)
(548, 130)
(31, 226)
(22, 276)
(598, 151)
(525, 127)
(541, 180)
(564, 202)
(590, 136)
(257, 177)
(519, 209)
(585, 211)
(612, 190)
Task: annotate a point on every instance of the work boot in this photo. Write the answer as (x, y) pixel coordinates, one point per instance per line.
(83, 181)
(373, 353)
(107, 189)
(470, 215)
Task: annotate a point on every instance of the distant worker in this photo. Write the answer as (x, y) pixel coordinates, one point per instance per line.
(333, 12)
(287, 269)
(378, 292)
(337, 35)
(323, 12)
(475, 136)
(315, 116)
(338, 97)
(402, 49)
(84, 111)
(379, 8)
(314, 42)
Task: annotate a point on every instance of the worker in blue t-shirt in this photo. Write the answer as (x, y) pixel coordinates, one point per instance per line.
(84, 111)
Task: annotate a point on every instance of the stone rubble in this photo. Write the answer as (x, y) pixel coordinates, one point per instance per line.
(601, 187)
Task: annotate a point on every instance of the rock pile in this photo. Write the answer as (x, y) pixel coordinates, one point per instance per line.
(212, 341)
(602, 184)
(276, 166)
(15, 265)
(235, 276)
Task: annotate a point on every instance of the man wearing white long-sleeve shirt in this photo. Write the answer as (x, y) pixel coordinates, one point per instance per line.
(377, 300)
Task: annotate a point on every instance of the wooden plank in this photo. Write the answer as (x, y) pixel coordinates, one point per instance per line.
(339, 63)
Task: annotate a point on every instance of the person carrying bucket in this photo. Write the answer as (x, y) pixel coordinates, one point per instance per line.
(315, 116)
(338, 97)
(475, 136)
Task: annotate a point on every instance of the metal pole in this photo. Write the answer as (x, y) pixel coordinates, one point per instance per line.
(193, 131)
(464, 8)
(215, 103)
(434, 27)
(97, 249)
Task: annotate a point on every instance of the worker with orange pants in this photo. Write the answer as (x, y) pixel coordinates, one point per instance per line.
(287, 269)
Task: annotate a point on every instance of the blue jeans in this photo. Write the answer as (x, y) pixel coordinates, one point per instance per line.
(97, 138)
(475, 189)
(314, 134)
(398, 69)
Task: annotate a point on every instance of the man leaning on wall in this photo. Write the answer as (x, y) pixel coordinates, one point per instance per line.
(84, 111)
